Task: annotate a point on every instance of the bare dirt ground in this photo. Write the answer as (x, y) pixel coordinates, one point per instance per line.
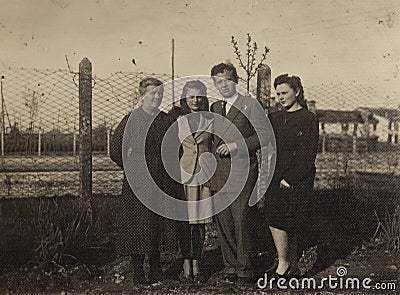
(104, 273)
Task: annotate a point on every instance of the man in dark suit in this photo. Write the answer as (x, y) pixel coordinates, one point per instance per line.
(235, 222)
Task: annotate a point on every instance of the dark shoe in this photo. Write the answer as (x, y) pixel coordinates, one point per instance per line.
(271, 270)
(294, 272)
(247, 281)
(137, 267)
(139, 279)
(276, 276)
(156, 276)
(291, 272)
(185, 279)
(199, 278)
(230, 277)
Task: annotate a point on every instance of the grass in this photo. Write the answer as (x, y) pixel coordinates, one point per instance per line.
(389, 230)
(51, 229)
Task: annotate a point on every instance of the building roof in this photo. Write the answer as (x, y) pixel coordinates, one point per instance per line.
(389, 113)
(335, 116)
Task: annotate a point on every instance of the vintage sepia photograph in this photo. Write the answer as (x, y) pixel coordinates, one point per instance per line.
(200, 147)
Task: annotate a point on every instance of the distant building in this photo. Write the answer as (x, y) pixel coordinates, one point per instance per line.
(346, 131)
(388, 127)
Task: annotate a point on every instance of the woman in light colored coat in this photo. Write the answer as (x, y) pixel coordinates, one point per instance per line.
(195, 134)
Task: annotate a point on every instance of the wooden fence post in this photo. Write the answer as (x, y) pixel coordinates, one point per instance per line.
(108, 129)
(355, 138)
(3, 131)
(40, 142)
(74, 144)
(323, 138)
(85, 132)
(264, 86)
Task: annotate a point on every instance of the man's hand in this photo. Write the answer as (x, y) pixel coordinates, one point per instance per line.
(225, 149)
(284, 184)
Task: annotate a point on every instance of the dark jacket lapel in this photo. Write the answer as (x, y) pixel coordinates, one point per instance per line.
(234, 111)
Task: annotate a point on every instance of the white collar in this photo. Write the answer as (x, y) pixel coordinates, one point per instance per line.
(231, 100)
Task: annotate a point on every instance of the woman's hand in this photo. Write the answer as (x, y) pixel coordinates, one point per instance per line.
(284, 184)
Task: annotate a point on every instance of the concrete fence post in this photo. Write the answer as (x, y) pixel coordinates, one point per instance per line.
(263, 97)
(264, 86)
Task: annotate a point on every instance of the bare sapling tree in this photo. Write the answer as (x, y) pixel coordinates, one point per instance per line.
(32, 103)
(248, 62)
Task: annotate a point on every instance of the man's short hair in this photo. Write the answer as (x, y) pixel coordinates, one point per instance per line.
(149, 81)
(225, 67)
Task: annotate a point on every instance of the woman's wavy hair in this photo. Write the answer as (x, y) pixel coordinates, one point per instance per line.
(295, 83)
(196, 84)
(149, 81)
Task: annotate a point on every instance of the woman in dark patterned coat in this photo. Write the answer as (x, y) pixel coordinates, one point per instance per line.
(140, 230)
(288, 196)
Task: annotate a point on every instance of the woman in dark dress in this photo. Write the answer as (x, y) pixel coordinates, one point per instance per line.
(140, 230)
(288, 197)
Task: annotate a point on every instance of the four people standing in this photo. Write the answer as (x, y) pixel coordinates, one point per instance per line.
(142, 231)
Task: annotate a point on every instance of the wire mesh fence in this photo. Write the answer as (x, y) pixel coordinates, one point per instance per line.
(359, 134)
(40, 115)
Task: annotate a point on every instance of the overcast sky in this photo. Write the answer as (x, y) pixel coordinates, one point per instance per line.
(321, 41)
